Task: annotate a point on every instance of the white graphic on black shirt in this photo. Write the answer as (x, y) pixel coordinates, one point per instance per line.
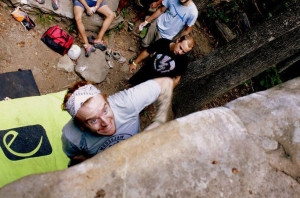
(163, 63)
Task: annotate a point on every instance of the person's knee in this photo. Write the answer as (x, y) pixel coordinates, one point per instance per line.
(78, 19)
(111, 15)
(107, 12)
(145, 43)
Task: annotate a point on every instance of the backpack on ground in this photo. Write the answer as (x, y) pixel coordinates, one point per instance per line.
(23, 18)
(57, 39)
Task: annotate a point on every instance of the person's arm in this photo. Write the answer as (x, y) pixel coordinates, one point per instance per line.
(186, 31)
(140, 58)
(155, 15)
(164, 101)
(77, 159)
(176, 81)
(75, 154)
(155, 4)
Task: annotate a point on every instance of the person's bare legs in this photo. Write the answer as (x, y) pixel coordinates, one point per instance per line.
(78, 11)
(109, 17)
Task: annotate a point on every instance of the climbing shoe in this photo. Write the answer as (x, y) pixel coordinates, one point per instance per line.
(55, 4)
(89, 50)
(100, 45)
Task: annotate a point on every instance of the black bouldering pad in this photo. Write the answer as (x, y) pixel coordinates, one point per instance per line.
(18, 84)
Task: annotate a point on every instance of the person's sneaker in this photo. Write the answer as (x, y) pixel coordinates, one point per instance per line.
(55, 4)
(108, 58)
(118, 57)
(89, 50)
(130, 26)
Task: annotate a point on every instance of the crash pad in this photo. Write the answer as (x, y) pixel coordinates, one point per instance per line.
(30, 136)
(18, 84)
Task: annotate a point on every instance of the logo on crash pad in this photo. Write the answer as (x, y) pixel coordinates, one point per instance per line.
(25, 142)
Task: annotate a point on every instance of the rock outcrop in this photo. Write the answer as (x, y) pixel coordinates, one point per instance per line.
(249, 148)
(92, 23)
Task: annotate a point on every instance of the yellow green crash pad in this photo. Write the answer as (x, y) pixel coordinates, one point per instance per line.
(30, 136)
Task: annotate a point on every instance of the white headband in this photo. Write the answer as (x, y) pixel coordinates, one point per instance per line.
(79, 97)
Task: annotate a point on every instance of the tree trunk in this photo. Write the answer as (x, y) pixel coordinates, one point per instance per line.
(226, 33)
(241, 59)
(283, 65)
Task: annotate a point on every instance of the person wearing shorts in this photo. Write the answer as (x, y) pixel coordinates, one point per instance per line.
(172, 18)
(91, 7)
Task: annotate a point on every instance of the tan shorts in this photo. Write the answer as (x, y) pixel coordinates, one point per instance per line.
(152, 34)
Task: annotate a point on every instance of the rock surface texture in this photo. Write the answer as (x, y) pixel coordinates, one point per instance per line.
(66, 64)
(249, 148)
(94, 68)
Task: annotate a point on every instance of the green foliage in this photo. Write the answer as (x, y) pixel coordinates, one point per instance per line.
(224, 12)
(124, 12)
(44, 19)
(266, 79)
(145, 113)
(256, 11)
(119, 27)
(72, 28)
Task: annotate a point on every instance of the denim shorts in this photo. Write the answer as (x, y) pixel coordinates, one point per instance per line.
(90, 3)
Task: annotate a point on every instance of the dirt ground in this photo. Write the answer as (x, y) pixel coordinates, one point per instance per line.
(23, 49)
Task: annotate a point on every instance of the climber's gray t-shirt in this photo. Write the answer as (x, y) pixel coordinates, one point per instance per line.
(126, 106)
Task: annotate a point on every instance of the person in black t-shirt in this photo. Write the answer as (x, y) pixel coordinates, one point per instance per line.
(164, 58)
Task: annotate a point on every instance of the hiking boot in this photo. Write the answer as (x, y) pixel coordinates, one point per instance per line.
(100, 45)
(118, 57)
(55, 4)
(89, 50)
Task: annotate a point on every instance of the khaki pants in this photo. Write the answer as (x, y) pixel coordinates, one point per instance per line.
(152, 34)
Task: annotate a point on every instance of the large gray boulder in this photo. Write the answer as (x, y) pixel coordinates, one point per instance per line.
(273, 117)
(94, 68)
(232, 151)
